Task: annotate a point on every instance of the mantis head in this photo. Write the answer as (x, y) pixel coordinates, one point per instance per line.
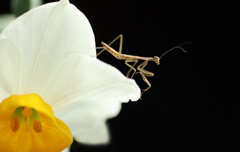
(156, 59)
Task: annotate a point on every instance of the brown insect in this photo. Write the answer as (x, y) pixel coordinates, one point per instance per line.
(133, 58)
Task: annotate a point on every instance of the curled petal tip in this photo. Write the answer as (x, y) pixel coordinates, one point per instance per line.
(64, 2)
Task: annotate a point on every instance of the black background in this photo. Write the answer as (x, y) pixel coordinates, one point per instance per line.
(193, 104)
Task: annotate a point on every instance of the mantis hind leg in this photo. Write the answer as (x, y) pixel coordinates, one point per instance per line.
(120, 37)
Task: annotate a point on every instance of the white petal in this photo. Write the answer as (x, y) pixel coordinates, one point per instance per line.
(85, 125)
(9, 70)
(53, 26)
(99, 90)
(47, 32)
(82, 77)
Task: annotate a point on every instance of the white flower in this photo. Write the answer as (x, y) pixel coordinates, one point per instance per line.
(49, 53)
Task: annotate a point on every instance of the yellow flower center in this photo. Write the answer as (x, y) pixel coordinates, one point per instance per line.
(27, 124)
(27, 118)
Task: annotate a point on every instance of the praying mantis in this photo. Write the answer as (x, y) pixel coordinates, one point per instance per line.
(134, 59)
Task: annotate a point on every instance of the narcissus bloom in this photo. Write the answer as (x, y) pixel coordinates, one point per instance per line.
(52, 86)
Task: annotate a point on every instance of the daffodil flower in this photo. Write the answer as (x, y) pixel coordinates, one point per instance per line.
(52, 86)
